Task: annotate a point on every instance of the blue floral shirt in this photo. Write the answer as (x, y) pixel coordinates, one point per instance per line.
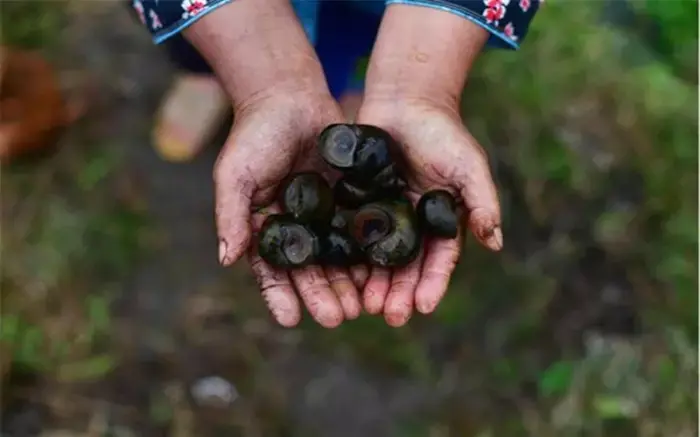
(506, 20)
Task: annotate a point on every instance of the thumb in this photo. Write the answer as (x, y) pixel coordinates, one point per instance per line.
(233, 199)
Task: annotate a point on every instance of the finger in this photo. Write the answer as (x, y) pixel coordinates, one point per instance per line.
(345, 289)
(480, 197)
(264, 196)
(376, 289)
(486, 229)
(277, 290)
(399, 302)
(275, 285)
(359, 275)
(441, 256)
(234, 191)
(315, 290)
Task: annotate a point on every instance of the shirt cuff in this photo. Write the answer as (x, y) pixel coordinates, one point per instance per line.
(506, 20)
(165, 18)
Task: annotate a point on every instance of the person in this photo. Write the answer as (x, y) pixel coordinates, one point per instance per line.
(282, 67)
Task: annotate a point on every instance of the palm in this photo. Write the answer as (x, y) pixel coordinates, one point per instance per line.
(267, 143)
(439, 153)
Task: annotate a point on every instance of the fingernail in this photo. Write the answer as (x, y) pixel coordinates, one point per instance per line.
(396, 320)
(424, 306)
(223, 256)
(495, 240)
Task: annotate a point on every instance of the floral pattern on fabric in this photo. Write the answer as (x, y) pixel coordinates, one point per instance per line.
(193, 7)
(495, 10)
(165, 18)
(506, 20)
(509, 30)
(140, 11)
(155, 20)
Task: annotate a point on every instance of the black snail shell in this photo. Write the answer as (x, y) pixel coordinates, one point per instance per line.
(341, 221)
(437, 214)
(340, 250)
(349, 195)
(389, 180)
(361, 151)
(308, 198)
(387, 232)
(284, 243)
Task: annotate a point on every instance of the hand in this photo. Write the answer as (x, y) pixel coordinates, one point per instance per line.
(270, 139)
(439, 153)
(264, 61)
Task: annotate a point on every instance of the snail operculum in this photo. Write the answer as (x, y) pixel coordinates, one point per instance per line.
(437, 214)
(337, 144)
(285, 243)
(361, 151)
(388, 233)
(308, 198)
(372, 223)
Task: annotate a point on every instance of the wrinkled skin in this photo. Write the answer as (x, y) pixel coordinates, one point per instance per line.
(271, 138)
(439, 153)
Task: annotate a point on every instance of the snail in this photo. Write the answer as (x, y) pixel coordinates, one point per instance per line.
(389, 180)
(350, 195)
(359, 151)
(437, 214)
(308, 198)
(341, 221)
(340, 250)
(285, 243)
(387, 232)
(376, 224)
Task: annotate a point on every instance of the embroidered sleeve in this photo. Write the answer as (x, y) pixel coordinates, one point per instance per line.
(165, 18)
(506, 20)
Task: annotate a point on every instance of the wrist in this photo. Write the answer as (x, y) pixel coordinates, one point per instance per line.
(258, 49)
(422, 54)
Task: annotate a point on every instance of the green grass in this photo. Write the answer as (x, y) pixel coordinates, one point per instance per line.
(31, 25)
(64, 239)
(627, 119)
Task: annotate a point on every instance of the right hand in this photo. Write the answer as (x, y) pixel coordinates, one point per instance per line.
(271, 138)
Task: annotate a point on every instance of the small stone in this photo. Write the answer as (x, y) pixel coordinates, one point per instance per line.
(213, 391)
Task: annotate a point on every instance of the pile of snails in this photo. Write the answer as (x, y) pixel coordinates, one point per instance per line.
(364, 218)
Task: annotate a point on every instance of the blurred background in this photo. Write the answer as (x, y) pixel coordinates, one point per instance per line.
(117, 321)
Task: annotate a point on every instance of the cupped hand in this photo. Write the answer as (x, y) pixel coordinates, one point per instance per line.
(439, 152)
(270, 139)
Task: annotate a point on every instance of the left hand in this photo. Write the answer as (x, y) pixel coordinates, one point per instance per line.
(439, 153)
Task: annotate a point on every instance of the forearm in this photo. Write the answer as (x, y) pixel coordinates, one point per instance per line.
(422, 53)
(256, 48)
